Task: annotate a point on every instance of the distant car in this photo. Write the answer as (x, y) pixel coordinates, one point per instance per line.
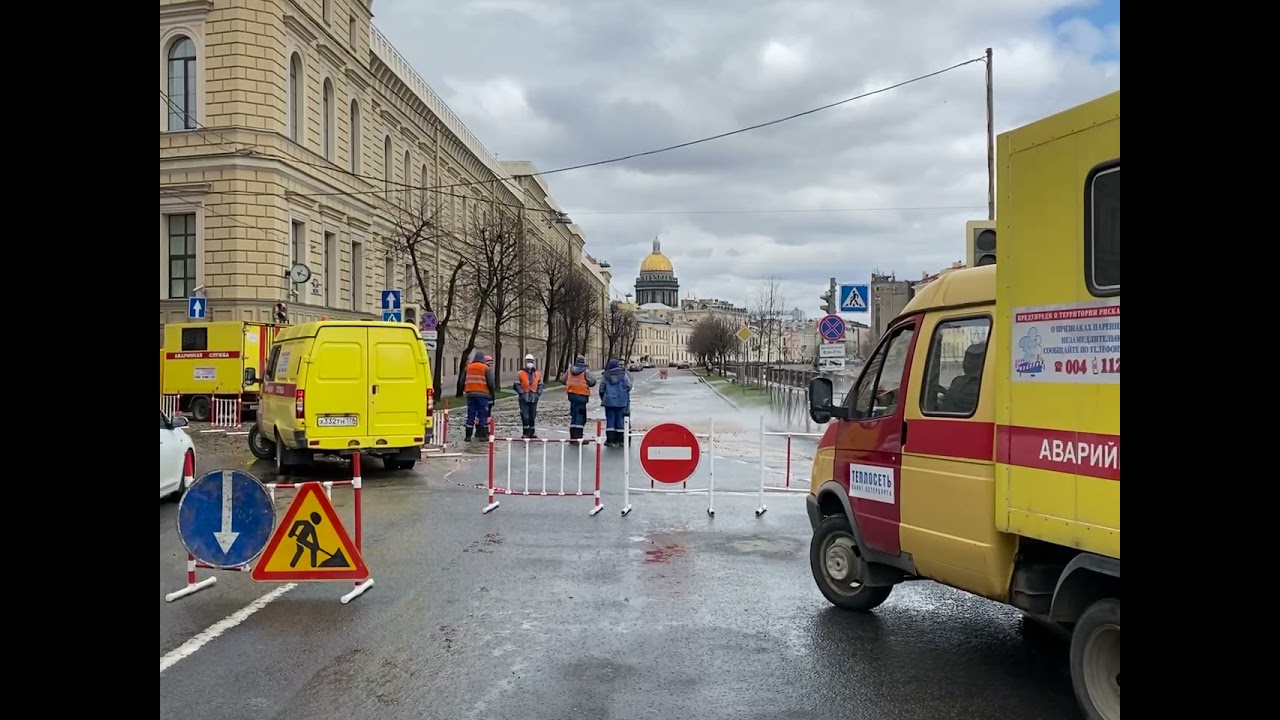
(175, 447)
(673, 363)
(646, 365)
(634, 367)
(683, 366)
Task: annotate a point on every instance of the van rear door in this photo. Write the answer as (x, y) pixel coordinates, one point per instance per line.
(336, 383)
(398, 383)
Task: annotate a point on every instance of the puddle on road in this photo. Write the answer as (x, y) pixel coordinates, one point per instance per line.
(667, 545)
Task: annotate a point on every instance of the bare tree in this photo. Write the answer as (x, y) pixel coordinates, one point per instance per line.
(551, 271)
(768, 306)
(504, 264)
(620, 327)
(579, 313)
(713, 340)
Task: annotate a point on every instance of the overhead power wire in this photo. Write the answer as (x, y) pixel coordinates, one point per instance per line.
(623, 158)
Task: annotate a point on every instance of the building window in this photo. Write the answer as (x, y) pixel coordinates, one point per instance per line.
(386, 165)
(330, 269)
(1102, 230)
(298, 246)
(389, 273)
(422, 192)
(408, 191)
(352, 34)
(295, 97)
(953, 372)
(356, 145)
(182, 84)
(357, 276)
(326, 10)
(182, 255)
(409, 282)
(327, 120)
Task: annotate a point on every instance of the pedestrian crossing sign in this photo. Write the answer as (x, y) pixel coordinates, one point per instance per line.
(855, 298)
(310, 543)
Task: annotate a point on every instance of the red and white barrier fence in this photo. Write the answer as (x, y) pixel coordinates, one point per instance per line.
(786, 486)
(495, 488)
(226, 412)
(195, 585)
(707, 446)
(169, 405)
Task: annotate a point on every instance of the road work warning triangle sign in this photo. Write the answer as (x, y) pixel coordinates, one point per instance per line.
(310, 544)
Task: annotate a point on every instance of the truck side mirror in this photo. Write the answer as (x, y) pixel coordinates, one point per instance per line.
(821, 406)
(250, 377)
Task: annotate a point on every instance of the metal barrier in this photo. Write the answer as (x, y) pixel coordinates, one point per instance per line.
(361, 586)
(169, 405)
(709, 450)
(786, 487)
(495, 488)
(226, 412)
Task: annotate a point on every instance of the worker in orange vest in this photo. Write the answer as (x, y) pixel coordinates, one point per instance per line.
(577, 384)
(528, 387)
(479, 387)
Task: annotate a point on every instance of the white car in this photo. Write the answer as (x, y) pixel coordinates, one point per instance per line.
(175, 446)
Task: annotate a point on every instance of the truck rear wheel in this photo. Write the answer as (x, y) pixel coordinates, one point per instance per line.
(838, 570)
(199, 408)
(1095, 660)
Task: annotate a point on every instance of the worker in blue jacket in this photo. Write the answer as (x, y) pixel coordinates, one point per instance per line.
(615, 395)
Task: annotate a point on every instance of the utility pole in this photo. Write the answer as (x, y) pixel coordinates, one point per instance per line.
(832, 306)
(991, 143)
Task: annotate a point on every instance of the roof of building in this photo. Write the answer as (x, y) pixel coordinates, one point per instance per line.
(656, 262)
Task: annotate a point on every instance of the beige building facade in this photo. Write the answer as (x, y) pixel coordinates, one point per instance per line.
(292, 132)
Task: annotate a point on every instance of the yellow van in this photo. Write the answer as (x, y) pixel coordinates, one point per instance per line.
(338, 387)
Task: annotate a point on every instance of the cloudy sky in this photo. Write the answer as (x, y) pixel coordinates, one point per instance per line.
(883, 183)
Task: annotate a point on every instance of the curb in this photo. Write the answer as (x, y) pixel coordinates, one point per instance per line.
(717, 392)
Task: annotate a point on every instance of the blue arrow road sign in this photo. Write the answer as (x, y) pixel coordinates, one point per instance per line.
(429, 321)
(390, 299)
(392, 316)
(197, 307)
(832, 328)
(226, 518)
(855, 298)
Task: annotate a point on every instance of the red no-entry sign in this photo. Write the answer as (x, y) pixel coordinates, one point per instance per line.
(670, 453)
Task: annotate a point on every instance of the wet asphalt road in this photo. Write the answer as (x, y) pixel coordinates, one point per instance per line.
(540, 611)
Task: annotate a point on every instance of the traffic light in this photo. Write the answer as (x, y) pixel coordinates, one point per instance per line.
(411, 313)
(830, 303)
(980, 243)
(281, 313)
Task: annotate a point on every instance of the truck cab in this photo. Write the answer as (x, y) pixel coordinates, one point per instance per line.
(980, 445)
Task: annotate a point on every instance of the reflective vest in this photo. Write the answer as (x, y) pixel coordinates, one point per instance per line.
(477, 378)
(577, 384)
(524, 381)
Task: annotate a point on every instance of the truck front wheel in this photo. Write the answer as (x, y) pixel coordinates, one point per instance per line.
(838, 570)
(199, 408)
(261, 447)
(1095, 660)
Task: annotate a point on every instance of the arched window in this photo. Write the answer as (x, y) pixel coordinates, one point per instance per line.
(182, 84)
(408, 191)
(357, 147)
(327, 120)
(422, 193)
(295, 98)
(386, 165)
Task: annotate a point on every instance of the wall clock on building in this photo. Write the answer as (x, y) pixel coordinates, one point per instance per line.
(299, 273)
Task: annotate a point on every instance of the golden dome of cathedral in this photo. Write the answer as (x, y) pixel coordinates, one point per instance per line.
(656, 262)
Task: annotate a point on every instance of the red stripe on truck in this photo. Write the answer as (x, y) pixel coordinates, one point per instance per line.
(207, 355)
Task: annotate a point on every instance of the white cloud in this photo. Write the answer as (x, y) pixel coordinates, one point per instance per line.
(571, 81)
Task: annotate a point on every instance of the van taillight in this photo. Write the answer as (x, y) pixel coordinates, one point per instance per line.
(300, 404)
(431, 401)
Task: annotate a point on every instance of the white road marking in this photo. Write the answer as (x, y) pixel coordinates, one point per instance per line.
(672, 452)
(189, 648)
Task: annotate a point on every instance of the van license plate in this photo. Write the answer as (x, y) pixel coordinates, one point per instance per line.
(337, 421)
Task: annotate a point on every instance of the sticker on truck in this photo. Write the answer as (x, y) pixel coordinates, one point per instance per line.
(871, 482)
(205, 373)
(1077, 343)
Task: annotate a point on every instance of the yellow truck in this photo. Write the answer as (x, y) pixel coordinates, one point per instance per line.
(980, 447)
(338, 387)
(203, 360)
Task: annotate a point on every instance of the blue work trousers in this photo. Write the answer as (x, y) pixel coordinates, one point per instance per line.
(613, 417)
(577, 411)
(478, 412)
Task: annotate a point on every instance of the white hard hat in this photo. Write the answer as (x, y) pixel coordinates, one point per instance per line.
(528, 358)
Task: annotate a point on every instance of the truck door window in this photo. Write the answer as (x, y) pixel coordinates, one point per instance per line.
(1102, 230)
(195, 339)
(876, 394)
(953, 371)
(272, 362)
